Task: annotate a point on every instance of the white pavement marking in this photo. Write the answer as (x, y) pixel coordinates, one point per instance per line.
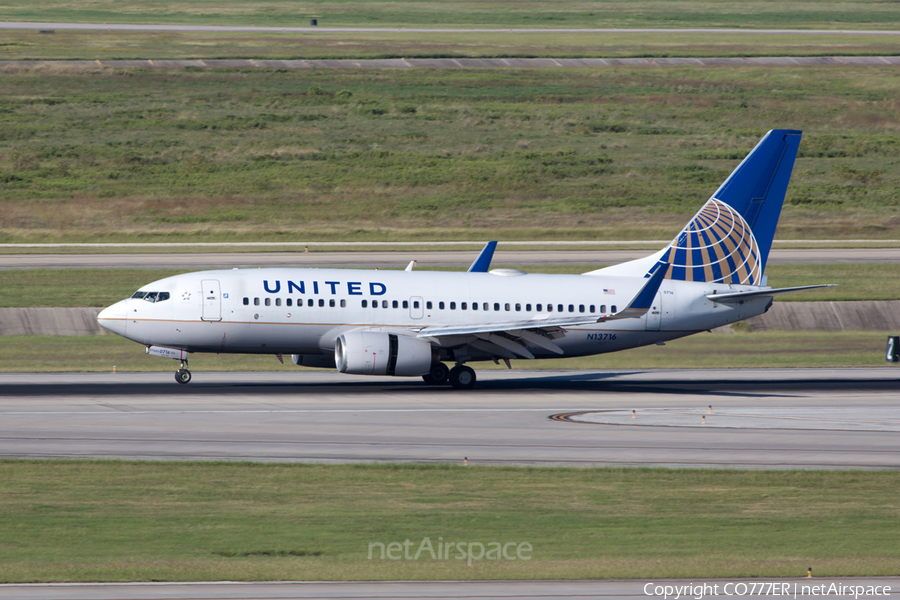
(819, 418)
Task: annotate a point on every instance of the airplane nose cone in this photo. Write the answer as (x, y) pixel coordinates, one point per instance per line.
(114, 318)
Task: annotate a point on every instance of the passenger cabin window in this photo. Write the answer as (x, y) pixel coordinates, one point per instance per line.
(256, 302)
(247, 302)
(289, 302)
(310, 302)
(415, 304)
(453, 306)
(277, 301)
(331, 303)
(384, 304)
(321, 303)
(484, 306)
(343, 304)
(538, 308)
(506, 306)
(496, 306)
(268, 302)
(581, 308)
(365, 303)
(428, 305)
(518, 307)
(592, 309)
(406, 304)
(549, 308)
(614, 308)
(395, 304)
(527, 308)
(441, 305)
(571, 308)
(462, 305)
(603, 308)
(559, 308)
(474, 306)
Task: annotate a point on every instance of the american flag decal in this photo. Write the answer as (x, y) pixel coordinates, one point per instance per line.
(608, 291)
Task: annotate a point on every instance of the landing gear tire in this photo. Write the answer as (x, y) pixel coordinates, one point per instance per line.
(438, 375)
(183, 376)
(462, 377)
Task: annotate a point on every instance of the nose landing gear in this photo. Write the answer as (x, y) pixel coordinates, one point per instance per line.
(183, 375)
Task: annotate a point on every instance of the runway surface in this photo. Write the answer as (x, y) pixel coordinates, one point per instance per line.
(512, 417)
(401, 258)
(428, 590)
(316, 29)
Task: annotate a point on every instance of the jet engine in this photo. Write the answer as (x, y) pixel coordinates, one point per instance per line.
(377, 353)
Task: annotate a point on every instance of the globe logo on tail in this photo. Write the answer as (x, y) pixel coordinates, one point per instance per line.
(716, 246)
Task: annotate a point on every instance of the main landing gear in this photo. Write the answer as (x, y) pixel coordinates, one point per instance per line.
(183, 375)
(461, 377)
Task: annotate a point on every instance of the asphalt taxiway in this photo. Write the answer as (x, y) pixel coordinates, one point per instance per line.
(804, 418)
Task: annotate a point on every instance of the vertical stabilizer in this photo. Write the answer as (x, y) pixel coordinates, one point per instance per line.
(729, 240)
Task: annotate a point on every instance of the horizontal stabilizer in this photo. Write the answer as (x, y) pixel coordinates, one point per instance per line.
(736, 296)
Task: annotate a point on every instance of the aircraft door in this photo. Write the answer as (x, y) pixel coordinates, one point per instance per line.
(212, 300)
(416, 307)
(654, 315)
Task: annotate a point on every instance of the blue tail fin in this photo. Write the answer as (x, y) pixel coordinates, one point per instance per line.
(729, 239)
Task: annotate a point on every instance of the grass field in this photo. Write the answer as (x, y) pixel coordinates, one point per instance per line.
(765, 349)
(115, 45)
(122, 521)
(803, 14)
(102, 287)
(615, 153)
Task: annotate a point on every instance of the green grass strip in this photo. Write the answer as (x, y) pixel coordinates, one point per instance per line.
(765, 349)
(102, 287)
(150, 521)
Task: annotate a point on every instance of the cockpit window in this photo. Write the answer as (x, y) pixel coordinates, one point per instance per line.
(152, 296)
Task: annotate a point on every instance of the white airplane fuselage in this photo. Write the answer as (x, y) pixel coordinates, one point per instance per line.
(408, 323)
(264, 311)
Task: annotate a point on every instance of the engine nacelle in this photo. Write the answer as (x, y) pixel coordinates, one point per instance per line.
(377, 353)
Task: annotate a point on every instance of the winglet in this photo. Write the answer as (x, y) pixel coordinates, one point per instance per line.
(483, 262)
(644, 298)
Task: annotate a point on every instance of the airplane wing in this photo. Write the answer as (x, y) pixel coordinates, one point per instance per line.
(515, 335)
(738, 296)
